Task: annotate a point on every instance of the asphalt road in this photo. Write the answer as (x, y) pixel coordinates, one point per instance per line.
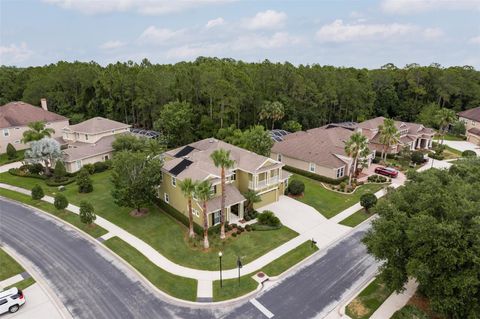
(91, 283)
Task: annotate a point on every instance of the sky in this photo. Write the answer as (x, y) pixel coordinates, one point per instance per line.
(359, 33)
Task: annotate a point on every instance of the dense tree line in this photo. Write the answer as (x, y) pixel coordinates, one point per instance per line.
(224, 92)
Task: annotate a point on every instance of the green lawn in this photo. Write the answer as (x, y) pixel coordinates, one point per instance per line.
(232, 289)
(8, 266)
(22, 284)
(356, 218)
(448, 137)
(4, 158)
(290, 259)
(163, 232)
(330, 203)
(365, 304)
(176, 286)
(94, 231)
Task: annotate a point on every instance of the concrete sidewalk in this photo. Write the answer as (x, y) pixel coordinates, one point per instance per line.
(6, 167)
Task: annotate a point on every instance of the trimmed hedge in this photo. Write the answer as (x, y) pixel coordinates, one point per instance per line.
(54, 183)
(315, 176)
(469, 153)
(178, 216)
(258, 227)
(20, 173)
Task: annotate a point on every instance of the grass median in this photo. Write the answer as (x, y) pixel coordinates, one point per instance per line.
(368, 301)
(356, 218)
(71, 218)
(176, 286)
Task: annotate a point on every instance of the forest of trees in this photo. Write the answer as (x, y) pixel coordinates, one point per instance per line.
(219, 93)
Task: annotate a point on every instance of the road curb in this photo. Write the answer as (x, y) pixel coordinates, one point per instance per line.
(144, 280)
(30, 268)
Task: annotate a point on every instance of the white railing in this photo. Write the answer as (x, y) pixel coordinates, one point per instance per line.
(263, 183)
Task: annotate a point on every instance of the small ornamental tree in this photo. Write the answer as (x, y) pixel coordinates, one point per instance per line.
(469, 153)
(59, 172)
(84, 181)
(11, 151)
(37, 192)
(87, 213)
(417, 157)
(368, 200)
(296, 187)
(60, 202)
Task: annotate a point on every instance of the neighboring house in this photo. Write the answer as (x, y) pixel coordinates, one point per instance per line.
(15, 117)
(319, 151)
(411, 135)
(90, 141)
(471, 118)
(250, 172)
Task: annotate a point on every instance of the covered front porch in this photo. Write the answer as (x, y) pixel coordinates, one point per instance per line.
(234, 206)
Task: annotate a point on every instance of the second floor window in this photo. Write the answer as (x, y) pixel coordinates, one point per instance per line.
(279, 157)
(166, 197)
(174, 182)
(214, 189)
(86, 137)
(6, 132)
(311, 167)
(234, 176)
(340, 172)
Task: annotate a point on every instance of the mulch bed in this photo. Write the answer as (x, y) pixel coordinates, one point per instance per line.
(139, 213)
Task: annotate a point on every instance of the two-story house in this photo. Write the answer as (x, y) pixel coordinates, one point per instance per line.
(471, 118)
(250, 172)
(90, 141)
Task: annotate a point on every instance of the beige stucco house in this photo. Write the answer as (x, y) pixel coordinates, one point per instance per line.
(319, 151)
(90, 141)
(250, 172)
(14, 120)
(471, 118)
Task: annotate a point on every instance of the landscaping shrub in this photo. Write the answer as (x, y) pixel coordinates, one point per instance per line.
(315, 176)
(368, 200)
(87, 213)
(234, 234)
(409, 312)
(296, 187)
(90, 168)
(25, 173)
(248, 228)
(268, 218)
(11, 151)
(59, 173)
(178, 216)
(376, 160)
(37, 192)
(417, 157)
(60, 202)
(36, 168)
(54, 183)
(469, 153)
(99, 167)
(342, 186)
(258, 227)
(376, 179)
(84, 181)
(239, 232)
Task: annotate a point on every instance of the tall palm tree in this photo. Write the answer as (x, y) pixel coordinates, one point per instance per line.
(356, 147)
(444, 117)
(36, 132)
(388, 136)
(221, 158)
(203, 191)
(187, 186)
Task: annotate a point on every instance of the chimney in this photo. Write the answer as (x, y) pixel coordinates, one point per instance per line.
(43, 101)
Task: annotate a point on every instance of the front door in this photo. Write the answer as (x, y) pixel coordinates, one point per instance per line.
(234, 209)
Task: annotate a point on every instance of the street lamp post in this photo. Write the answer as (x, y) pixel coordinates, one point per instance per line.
(239, 265)
(220, 259)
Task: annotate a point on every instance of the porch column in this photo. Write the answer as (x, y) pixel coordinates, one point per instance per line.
(240, 210)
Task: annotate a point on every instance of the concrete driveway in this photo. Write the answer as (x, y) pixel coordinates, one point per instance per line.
(306, 221)
(463, 146)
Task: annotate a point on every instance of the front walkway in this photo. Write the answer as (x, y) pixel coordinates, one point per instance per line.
(6, 167)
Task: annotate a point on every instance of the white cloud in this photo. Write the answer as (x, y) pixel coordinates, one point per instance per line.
(269, 19)
(255, 41)
(417, 6)
(475, 40)
(112, 45)
(215, 23)
(338, 31)
(147, 7)
(154, 35)
(196, 50)
(14, 53)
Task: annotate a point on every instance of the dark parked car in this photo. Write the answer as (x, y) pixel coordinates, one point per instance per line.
(387, 171)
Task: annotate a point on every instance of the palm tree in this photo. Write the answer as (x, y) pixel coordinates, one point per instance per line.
(444, 117)
(36, 132)
(252, 197)
(203, 191)
(388, 136)
(187, 186)
(221, 158)
(356, 147)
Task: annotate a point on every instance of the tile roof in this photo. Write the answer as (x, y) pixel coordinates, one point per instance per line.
(21, 114)
(322, 146)
(85, 150)
(474, 130)
(202, 165)
(232, 196)
(471, 114)
(97, 125)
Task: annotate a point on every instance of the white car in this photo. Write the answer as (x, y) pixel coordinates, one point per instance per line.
(11, 300)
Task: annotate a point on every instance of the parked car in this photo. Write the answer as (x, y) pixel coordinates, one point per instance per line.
(11, 300)
(387, 171)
